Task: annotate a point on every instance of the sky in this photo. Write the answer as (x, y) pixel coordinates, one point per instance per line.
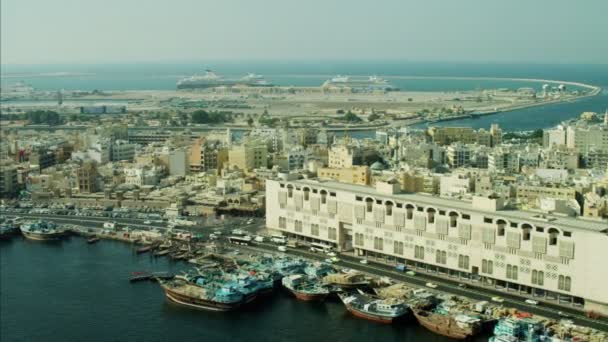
(123, 31)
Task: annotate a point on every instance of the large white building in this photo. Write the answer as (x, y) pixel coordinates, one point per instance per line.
(556, 257)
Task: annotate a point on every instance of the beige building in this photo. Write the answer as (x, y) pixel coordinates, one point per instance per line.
(354, 175)
(248, 156)
(419, 182)
(207, 156)
(532, 194)
(87, 177)
(555, 257)
(447, 135)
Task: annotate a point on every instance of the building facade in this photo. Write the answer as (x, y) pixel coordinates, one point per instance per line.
(556, 257)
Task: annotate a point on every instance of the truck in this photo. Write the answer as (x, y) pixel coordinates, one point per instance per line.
(109, 225)
(401, 268)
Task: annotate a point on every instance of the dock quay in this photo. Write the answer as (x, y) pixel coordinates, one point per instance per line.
(214, 259)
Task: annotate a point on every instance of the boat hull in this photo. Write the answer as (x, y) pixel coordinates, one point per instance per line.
(308, 297)
(441, 328)
(370, 317)
(197, 303)
(43, 236)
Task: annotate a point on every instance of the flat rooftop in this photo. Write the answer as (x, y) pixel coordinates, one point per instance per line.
(569, 223)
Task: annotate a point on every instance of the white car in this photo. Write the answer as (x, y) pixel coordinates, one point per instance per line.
(363, 261)
(531, 301)
(147, 222)
(259, 238)
(331, 254)
(431, 285)
(282, 249)
(497, 299)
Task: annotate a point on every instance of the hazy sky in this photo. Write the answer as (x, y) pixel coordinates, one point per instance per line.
(93, 31)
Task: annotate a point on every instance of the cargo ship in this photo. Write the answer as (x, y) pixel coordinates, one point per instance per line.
(42, 231)
(222, 298)
(459, 327)
(377, 310)
(212, 80)
(305, 288)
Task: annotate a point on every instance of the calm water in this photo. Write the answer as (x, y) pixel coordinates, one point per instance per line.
(72, 291)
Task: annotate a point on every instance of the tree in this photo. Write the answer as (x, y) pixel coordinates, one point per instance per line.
(351, 117)
(373, 117)
(249, 121)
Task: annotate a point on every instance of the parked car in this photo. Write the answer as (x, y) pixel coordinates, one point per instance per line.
(282, 249)
(431, 285)
(331, 254)
(497, 299)
(563, 314)
(363, 261)
(531, 301)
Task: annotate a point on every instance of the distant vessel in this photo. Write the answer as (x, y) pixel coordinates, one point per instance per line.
(211, 298)
(305, 288)
(358, 84)
(42, 231)
(377, 310)
(211, 80)
(458, 327)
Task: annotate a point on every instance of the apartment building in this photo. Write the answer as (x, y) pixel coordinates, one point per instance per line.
(355, 175)
(556, 257)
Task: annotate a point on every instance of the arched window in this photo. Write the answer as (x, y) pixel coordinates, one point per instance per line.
(526, 229)
(388, 206)
(500, 227)
(369, 204)
(409, 210)
(430, 212)
(453, 219)
(553, 234)
(323, 196)
(289, 190)
(306, 194)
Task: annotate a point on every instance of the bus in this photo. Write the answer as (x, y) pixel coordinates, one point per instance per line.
(240, 240)
(320, 247)
(278, 239)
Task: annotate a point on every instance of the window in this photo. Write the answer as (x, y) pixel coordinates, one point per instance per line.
(538, 278)
(487, 220)
(323, 196)
(511, 272)
(290, 191)
(369, 204)
(553, 233)
(378, 243)
(568, 234)
(358, 239)
(463, 261)
(398, 247)
(419, 252)
(331, 233)
(314, 229)
(453, 219)
(298, 226)
(409, 211)
(526, 229)
(282, 222)
(430, 215)
(306, 194)
(564, 283)
(500, 227)
(466, 216)
(441, 257)
(487, 266)
(388, 207)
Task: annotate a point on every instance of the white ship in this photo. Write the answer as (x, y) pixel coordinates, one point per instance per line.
(211, 80)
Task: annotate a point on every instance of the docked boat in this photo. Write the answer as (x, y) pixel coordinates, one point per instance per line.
(305, 288)
(144, 249)
(7, 231)
(458, 327)
(162, 252)
(42, 231)
(377, 310)
(349, 280)
(220, 298)
(93, 239)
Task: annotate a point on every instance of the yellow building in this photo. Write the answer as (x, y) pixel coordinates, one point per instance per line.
(248, 156)
(354, 175)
